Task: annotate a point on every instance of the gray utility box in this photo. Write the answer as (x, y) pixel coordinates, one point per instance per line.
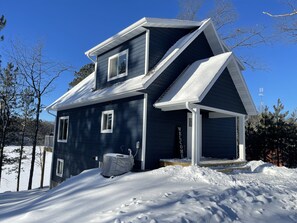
(115, 164)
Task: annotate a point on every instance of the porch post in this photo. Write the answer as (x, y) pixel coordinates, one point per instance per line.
(241, 134)
(196, 136)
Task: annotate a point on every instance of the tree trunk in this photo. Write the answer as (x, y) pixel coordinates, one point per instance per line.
(21, 155)
(34, 142)
(2, 145)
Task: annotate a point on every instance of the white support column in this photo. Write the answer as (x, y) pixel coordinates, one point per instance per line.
(241, 140)
(196, 136)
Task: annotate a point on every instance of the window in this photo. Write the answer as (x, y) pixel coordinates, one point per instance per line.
(118, 65)
(59, 167)
(107, 121)
(63, 129)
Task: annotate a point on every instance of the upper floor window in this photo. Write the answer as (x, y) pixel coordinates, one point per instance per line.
(63, 129)
(107, 121)
(118, 65)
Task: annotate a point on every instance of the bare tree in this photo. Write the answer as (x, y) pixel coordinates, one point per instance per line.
(39, 74)
(26, 110)
(225, 17)
(287, 22)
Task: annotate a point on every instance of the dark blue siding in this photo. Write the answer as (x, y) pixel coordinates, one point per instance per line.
(136, 61)
(161, 125)
(224, 95)
(161, 39)
(219, 138)
(86, 141)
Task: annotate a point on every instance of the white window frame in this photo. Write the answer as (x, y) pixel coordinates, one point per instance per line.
(59, 129)
(61, 163)
(116, 56)
(103, 128)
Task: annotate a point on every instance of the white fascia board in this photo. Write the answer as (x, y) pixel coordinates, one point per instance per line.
(122, 33)
(177, 105)
(147, 53)
(172, 56)
(239, 62)
(242, 88)
(213, 39)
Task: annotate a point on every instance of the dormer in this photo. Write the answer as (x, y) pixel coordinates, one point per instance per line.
(137, 49)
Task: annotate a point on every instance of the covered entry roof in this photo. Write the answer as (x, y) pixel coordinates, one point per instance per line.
(196, 80)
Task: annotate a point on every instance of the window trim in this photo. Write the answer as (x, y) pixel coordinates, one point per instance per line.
(112, 121)
(109, 65)
(62, 167)
(63, 118)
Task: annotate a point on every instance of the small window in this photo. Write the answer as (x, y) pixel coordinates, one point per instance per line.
(107, 121)
(59, 167)
(63, 129)
(118, 65)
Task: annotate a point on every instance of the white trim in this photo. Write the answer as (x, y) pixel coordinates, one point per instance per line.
(58, 137)
(196, 134)
(144, 130)
(62, 167)
(95, 76)
(242, 90)
(116, 56)
(112, 121)
(241, 139)
(147, 53)
(226, 112)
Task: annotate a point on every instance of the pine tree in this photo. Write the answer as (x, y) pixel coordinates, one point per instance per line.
(8, 85)
(82, 74)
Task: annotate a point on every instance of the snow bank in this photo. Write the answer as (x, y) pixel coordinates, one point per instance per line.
(169, 194)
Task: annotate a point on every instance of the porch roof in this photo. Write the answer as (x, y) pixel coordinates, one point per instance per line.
(195, 81)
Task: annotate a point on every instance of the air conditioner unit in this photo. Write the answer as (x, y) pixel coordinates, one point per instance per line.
(115, 164)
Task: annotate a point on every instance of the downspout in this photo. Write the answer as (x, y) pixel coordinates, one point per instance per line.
(52, 162)
(195, 147)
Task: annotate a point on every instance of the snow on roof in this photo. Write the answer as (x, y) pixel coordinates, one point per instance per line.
(83, 93)
(195, 82)
(137, 28)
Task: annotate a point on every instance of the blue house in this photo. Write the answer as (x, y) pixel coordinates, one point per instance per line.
(164, 88)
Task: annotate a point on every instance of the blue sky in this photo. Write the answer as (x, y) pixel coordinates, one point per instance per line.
(69, 28)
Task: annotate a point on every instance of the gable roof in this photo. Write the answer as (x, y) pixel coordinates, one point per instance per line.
(138, 28)
(83, 93)
(195, 82)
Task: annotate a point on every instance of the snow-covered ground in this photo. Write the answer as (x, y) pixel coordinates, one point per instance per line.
(170, 194)
(9, 177)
